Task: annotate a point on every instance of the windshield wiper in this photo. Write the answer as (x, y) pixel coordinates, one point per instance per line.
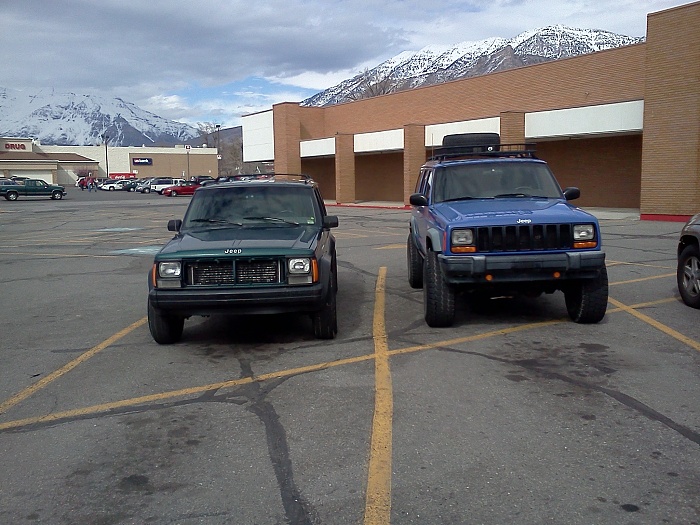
(464, 198)
(271, 219)
(217, 221)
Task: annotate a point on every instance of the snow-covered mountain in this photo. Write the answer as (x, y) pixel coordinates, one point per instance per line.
(434, 64)
(81, 120)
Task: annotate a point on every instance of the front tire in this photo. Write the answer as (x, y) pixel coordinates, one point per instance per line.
(415, 264)
(438, 296)
(57, 195)
(688, 276)
(325, 321)
(165, 329)
(587, 300)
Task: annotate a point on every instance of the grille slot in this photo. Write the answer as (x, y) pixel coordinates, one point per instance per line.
(234, 272)
(524, 238)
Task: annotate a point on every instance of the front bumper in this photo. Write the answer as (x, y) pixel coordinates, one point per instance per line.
(461, 269)
(208, 301)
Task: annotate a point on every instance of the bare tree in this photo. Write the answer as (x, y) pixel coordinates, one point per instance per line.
(207, 132)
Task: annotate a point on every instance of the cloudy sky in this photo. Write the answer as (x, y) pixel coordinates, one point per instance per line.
(215, 60)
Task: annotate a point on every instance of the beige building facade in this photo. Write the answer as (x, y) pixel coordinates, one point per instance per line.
(623, 125)
(24, 157)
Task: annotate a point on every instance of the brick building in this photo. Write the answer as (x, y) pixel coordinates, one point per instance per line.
(623, 125)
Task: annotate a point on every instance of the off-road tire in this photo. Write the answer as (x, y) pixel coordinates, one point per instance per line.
(165, 329)
(688, 276)
(587, 299)
(325, 321)
(438, 296)
(415, 263)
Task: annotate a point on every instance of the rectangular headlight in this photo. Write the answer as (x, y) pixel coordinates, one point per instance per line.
(299, 265)
(462, 237)
(584, 232)
(169, 269)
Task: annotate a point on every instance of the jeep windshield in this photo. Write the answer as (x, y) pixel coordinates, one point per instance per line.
(494, 180)
(251, 206)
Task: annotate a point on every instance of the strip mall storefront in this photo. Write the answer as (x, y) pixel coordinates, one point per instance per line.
(24, 157)
(622, 124)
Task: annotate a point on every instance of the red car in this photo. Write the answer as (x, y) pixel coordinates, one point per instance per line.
(184, 188)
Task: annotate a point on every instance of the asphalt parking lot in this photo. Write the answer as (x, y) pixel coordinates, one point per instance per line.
(513, 415)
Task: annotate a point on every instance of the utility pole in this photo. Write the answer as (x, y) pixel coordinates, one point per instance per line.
(105, 138)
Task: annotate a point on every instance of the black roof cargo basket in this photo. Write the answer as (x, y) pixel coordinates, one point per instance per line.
(479, 145)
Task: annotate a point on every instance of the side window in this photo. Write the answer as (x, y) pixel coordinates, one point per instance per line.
(428, 184)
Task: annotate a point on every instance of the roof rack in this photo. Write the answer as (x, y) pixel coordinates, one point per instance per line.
(524, 150)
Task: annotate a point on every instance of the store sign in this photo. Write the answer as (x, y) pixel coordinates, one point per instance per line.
(142, 161)
(9, 145)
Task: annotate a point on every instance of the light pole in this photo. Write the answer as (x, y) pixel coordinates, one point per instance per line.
(105, 138)
(187, 148)
(218, 154)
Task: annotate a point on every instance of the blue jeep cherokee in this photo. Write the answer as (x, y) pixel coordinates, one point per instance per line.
(491, 220)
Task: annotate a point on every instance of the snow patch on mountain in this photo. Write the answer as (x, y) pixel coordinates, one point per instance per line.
(83, 120)
(436, 64)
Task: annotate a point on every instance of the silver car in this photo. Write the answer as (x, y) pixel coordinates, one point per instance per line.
(688, 271)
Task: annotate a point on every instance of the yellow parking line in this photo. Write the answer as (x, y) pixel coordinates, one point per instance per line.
(378, 494)
(656, 324)
(641, 279)
(24, 394)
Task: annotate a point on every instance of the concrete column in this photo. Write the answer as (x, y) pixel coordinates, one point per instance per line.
(345, 168)
(413, 157)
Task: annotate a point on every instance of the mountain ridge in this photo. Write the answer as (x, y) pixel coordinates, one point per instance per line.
(436, 64)
(64, 119)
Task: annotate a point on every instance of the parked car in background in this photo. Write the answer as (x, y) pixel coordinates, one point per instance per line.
(8, 182)
(201, 178)
(184, 188)
(119, 185)
(143, 184)
(32, 188)
(158, 184)
(688, 270)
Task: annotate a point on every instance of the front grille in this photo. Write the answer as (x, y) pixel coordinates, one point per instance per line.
(234, 272)
(524, 238)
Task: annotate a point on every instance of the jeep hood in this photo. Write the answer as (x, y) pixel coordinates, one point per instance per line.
(251, 240)
(506, 211)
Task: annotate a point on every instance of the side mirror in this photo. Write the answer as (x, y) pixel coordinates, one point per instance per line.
(330, 221)
(571, 193)
(418, 199)
(174, 225)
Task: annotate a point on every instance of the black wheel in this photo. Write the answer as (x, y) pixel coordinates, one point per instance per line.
(587, 300)
(173, 193)
(111, 188)
(57, 195)
(438, 296)
(325, 321)
(11, 195)
(165, 329)
(415, 264)
(147, 190)
(688, 275)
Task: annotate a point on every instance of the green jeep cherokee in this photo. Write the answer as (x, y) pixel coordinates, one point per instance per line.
(260, 246)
